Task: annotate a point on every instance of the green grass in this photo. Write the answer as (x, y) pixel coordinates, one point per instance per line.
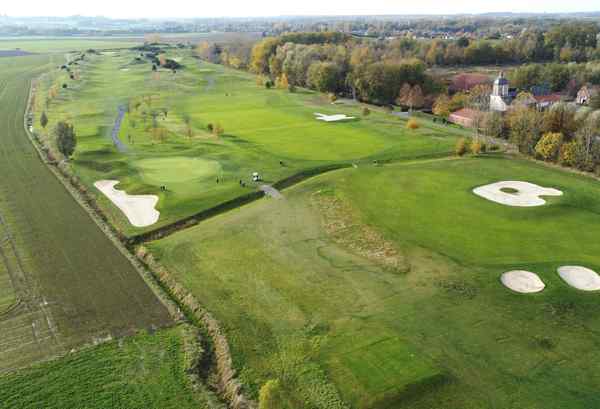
(262, 127)
(62, 44)
(73, 284)
(307, 295)
(143, 371)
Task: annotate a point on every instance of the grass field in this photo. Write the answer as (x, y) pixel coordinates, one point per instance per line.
(262, 128)
(379, 287)
(68, 284)
(143, 371)
(45, 45)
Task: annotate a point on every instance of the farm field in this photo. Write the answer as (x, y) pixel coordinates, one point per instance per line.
(379, 287)
(62, 282)
(63, 44)
(143, 371)
(164, 138)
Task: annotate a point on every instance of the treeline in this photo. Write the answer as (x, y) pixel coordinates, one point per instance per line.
(330, 62)
(560, 134)
(556, 77)
(573, 42)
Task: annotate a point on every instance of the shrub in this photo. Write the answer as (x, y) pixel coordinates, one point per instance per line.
(461, 147)
(268, 84)
(412, 124)
(548, 146)
(568, 153)
(218, 130)
(366, 111)
(269, 396)
(66, 140)
(210, 127)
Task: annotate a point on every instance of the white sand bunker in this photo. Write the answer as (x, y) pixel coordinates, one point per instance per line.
(522, 281)
(580, 277)
(515, 193)
(332, 118)
(139, 209)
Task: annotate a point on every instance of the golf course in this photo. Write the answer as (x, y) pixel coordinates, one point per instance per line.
(350, 258)
(164, 139)
(380, 287)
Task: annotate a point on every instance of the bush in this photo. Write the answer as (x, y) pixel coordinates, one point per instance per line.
(461, 147)
(548, 146)
(366, 111)
(210, 127)
(412, 124)
(568, 153)
(218, 130)
(269, 396)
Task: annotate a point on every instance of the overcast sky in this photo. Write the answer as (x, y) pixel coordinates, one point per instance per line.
(240, 8)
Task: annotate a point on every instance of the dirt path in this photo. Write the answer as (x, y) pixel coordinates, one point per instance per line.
(271, 191)
(117, 128)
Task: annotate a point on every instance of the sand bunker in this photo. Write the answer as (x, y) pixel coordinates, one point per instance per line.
(332, 118)
(139, 209)
(521, 194)
(522, 281)
(580, 277)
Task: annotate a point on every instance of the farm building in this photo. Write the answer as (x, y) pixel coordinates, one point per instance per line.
(464, 117)
(586, 93)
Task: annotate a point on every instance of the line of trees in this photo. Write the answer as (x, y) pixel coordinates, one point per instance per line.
(560, 134)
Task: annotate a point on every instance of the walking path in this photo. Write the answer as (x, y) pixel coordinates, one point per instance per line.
(117, 128)
(271, 191)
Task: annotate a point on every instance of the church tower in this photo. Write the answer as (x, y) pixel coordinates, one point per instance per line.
(500, 86)
(499, 100)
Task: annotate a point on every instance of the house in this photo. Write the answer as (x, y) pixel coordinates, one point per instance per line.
(465, 82)
(586, 93)
(546, 101)
(465, 117)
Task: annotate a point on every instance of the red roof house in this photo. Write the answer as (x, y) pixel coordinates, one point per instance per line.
(464, 117)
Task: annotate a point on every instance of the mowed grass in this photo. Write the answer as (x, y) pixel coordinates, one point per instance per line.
(143, 371)
(327, 316)
(263, 128)
(73, 285)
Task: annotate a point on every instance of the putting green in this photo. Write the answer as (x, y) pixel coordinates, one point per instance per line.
(178, 169)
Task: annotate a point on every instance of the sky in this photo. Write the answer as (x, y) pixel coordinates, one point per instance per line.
(244, 8)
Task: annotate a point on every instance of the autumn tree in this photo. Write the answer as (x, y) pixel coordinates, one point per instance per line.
(549, 145)
(404, 94)
(416, 99)
(525, 128)
(441, 106)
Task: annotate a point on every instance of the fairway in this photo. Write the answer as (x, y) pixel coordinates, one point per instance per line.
(380, 287)
(167, 142)
(72, 285)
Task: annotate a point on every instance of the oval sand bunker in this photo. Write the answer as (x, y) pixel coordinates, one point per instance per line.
(522, 281)
(139, 209)
(580, 277)
(516, 193)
